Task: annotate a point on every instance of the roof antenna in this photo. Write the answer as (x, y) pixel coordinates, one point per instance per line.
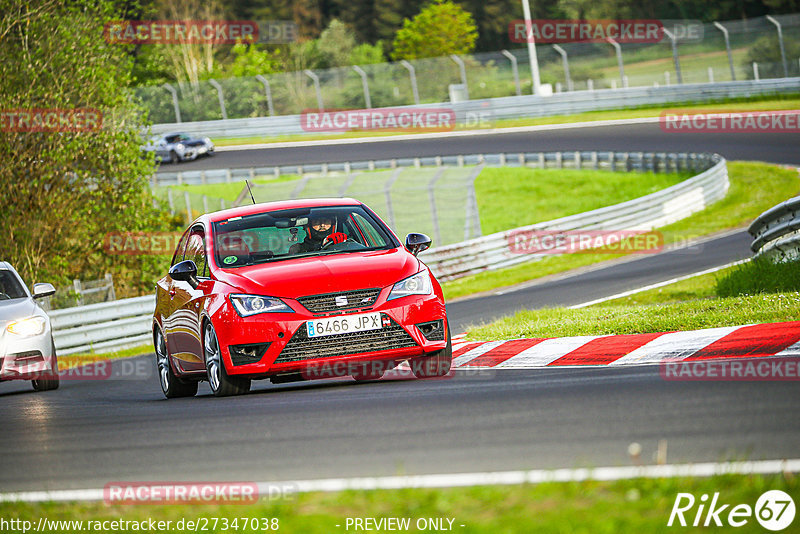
(250, 190)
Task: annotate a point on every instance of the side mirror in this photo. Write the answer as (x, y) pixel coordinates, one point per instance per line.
(185, 271)
(416, 243)
(43, 290)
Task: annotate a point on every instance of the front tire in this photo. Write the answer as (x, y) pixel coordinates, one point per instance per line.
(222, 385)
(437, 364)
(171, 385)
(48, 381)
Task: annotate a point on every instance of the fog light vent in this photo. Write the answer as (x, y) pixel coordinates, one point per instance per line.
(250, 353)
(433, 330)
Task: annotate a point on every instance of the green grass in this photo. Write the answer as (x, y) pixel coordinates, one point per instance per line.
(760, 276)
(637, 505)
(71, 360)
(761, 103)
(511, 197)
(755, 187)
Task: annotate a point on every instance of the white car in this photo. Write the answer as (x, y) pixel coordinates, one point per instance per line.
(27, 351)
(178, 146)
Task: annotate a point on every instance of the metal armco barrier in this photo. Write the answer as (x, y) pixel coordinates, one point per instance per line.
(103, 327)
(776, 232)
(513, 107)
(122, 323)
(651, 211)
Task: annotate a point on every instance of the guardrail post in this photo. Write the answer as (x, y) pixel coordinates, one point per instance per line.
(188, 202)
(559, 160)
(170, 201)
(755, 71)
(666, 78)
(710, 74)
(364, 85)
(228, 176)
(724, 31)
(675, 57)
(565, 63)
(463, 70)
(268, 91)
(437, 234)
(514, 69)
(412, 73)
(221, 98)
(205, 204)
(177, 108)
(780, 41)
(620, 65)
(317, 89)
(222, 203)
(387, 191)
(578, 161)
(590, 84)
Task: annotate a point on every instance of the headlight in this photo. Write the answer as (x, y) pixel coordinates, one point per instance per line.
(179, 147)
(419, 284)
(247, 305)
(32, 326)
(207, 141)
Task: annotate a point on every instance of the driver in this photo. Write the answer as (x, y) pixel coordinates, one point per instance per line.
(321, 231)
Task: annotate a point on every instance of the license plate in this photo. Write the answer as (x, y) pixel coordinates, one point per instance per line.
(344, 325)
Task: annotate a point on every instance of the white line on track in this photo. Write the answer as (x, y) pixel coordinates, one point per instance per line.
(656, 286)
(489, 478)
(439, 135)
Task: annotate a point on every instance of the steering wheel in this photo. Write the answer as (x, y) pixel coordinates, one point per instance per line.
(327, 243)
(3, 296)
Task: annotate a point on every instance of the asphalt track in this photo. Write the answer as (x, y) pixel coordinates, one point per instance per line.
(92, 432)
(764, 146)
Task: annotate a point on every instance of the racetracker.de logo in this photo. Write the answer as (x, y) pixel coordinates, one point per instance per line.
(586, 31)
(764, 370)
(180, 493)
(50, 120)
(409, 119)
(685, 121)
(584, 241)
(181, 31)
(141, 243)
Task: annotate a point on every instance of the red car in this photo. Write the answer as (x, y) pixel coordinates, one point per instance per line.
(296, 290)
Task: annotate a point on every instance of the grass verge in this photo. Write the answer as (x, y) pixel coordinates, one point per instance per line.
(636, 505)
(760, 103)
(755, 187)
(760, 276)
(69, 361)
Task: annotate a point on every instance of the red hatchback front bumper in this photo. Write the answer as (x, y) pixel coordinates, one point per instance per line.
(278, 342)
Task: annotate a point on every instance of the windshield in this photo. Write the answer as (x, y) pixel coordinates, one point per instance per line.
(287, 234)
(10, 286)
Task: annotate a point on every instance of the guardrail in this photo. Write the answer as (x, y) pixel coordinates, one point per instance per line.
(105, 326)
(581, 159)
(776, 232)
(122, 323)
(515, 106)
(651, 211)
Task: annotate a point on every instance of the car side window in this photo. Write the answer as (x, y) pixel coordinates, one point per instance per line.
(196, 251)
(178, 256)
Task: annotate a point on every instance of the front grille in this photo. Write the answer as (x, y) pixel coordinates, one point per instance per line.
(348, 300)
(300, 347)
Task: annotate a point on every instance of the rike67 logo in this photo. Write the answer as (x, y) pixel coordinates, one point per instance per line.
(774, 510)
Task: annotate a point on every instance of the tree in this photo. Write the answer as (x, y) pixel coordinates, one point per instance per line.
(336, 44)
(439, 29)
(61, 192)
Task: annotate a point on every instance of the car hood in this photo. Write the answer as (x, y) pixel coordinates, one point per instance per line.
(11, 310)
(324, 274)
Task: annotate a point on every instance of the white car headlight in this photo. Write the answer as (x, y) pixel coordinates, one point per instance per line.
(32, 326)
(247, 305)
(419, 284)
(180, 147)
